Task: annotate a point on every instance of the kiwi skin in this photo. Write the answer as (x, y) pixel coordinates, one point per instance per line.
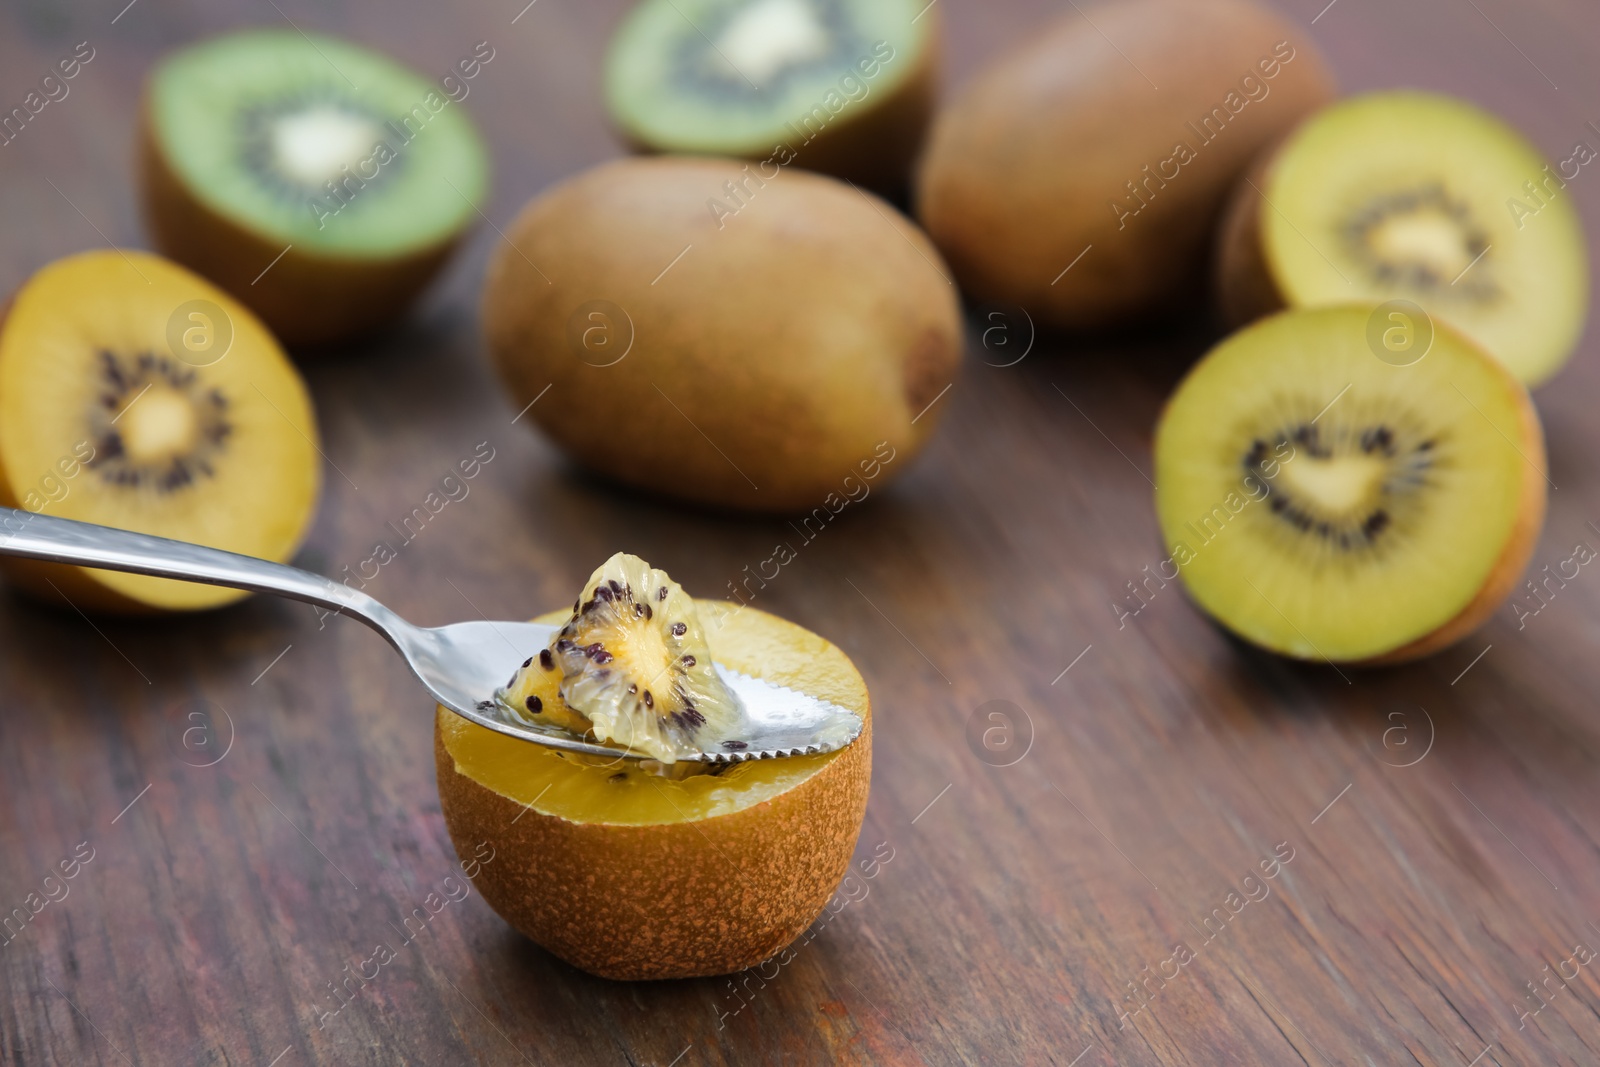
(306, 298)
(874, 146)
(1242, 282)
(1021, 169)
(780, 349)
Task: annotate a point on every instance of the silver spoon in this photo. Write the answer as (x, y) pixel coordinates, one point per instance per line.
(462, 665)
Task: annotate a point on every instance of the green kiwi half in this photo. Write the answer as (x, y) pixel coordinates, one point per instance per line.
(835, 86)
(359, 173)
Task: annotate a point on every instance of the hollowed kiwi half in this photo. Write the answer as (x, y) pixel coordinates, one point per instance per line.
(841, 87)
(633, 875)
(135, 394)
(1418, 196)
(319, 182)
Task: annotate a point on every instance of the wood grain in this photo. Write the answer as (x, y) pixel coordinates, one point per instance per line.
(1023, 904)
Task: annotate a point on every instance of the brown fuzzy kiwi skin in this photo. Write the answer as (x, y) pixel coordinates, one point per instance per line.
(305, 298)
(676, 900)
(1022, 168)
(1243, 283)
(874, 147)
(1518, 550)
(771, 359)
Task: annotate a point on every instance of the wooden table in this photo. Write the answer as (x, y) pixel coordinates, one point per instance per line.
(1441, 822)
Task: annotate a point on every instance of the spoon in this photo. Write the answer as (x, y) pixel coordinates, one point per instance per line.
(461, 665)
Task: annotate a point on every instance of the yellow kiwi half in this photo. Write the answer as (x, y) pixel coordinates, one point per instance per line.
(1326, 503)
(1416, 196)
(136, 394)
(634, 875)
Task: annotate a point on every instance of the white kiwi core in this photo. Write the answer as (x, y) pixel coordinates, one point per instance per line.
(313, 145)
(158, 426)
(1427, 237)
(1341, 485)
(770, 35)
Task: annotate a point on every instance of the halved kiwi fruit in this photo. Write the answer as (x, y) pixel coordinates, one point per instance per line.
(135, 394)
(631, 874)
(841, 87)
(1414, 195)
(358, 173)
(1326, 503)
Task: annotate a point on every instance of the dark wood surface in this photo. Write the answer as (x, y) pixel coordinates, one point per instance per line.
(1420, 901)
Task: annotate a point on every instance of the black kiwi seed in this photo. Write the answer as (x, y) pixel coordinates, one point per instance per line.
(527, 663)
(689, 661)
(661, 594)
(648, 613)
(679, 629)
(616, 587)
(603, 592)
(649, 701)
(634, 688)
(639, 610)
(545, 659)
(576, 606)
(535, 705)
(735, 746)
(565, 645)
(1379, 438)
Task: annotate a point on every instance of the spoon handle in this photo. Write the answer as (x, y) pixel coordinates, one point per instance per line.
(44, 537)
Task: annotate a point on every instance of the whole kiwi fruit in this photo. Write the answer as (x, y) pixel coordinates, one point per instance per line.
(1081, 176)
(763, 340)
